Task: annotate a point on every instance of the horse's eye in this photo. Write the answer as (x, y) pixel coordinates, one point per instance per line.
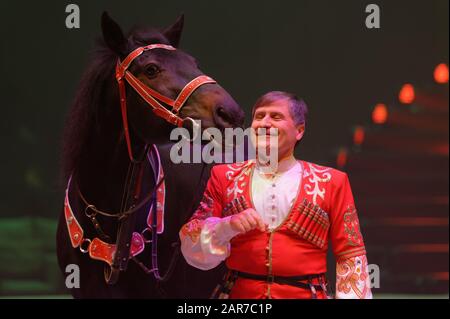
(152, 70)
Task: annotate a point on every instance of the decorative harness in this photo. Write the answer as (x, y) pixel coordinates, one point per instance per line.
(129, 244)
(98, 248)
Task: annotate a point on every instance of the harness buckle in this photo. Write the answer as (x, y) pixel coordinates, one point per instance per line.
(144, 236)
(84, 245)
(92, 214)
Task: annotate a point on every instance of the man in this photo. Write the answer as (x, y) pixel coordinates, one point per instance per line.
(272, 229)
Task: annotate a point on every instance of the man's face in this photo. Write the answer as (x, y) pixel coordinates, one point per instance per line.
(277, 115)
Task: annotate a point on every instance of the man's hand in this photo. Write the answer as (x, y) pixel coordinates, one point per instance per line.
(246, 221)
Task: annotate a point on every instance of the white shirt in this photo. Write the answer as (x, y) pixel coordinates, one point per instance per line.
(273, 196)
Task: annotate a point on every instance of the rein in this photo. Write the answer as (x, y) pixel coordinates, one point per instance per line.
(120, 215)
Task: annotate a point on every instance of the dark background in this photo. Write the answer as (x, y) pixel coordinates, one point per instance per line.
(320, 50)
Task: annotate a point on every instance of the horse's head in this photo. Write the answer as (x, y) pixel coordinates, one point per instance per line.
(167, 72)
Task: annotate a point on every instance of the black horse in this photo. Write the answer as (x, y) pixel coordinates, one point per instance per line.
(96, 161)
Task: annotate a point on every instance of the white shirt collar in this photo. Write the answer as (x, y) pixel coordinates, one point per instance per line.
(283, 165)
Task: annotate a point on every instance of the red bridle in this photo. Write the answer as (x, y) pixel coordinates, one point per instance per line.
(149, 95)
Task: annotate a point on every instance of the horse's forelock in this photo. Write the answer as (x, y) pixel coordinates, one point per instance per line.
(140, 36)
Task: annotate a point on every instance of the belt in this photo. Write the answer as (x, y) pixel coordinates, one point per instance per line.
(283, 280)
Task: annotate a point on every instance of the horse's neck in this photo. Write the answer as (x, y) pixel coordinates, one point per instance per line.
(102, 171)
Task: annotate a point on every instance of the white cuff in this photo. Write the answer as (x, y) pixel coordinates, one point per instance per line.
(221, 228)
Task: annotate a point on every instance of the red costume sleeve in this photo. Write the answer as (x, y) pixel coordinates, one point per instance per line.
(345, 233)
(210, 206)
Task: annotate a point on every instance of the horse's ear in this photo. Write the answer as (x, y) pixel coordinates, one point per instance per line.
(173, 33)
(113, 35)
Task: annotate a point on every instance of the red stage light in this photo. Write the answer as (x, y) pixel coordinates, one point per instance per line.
(341, 159)
(441, 73)
(358, 135)
(407, 94)
(380, 113)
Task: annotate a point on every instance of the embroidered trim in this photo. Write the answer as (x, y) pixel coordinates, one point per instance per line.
(205, 208)
(269, 264)
(352, 278)
(237, 173)
(193, 229)
(351, 253)
(351, 227)
(316, 175)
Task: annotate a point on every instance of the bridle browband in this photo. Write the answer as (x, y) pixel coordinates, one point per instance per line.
(152, 97)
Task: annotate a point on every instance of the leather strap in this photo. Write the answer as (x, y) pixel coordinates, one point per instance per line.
(282, 280)
(99, 249)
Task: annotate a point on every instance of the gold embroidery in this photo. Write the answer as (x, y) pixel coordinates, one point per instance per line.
(353, 251)
(205, 209)
(193, 229)
(352, 277)
(351, 227)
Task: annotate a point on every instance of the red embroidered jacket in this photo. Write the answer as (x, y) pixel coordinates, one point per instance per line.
(323, 212)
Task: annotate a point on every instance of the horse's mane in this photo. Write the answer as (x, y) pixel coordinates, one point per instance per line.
(85, 106)
(84, 114)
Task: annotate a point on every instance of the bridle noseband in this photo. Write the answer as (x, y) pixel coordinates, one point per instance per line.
(152, 97)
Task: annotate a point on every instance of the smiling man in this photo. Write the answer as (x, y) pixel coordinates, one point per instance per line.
(272, 228)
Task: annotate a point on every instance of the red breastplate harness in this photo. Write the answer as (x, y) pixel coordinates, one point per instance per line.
(101, 250)
(149, 95)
